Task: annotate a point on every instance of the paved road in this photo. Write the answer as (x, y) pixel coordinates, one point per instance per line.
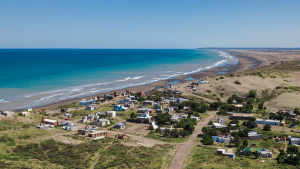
(184, 148)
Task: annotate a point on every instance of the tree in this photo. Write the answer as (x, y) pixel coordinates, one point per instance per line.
(207, 140)
(210, 122)
(267, 127)
(251, 124)
(205, 130)
(230, 100)
(132, 115)
(280, 117)
(245, 143)
(261, 106)
(236, 141)
(252, 94)
(256, 154)
(296, 111)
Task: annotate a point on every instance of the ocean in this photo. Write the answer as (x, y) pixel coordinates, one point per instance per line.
(36, 77)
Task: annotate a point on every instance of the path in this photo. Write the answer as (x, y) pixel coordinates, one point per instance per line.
(184, 148)
(187, 92)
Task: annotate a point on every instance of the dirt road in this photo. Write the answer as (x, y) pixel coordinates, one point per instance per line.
(184, 148)
(187, 92)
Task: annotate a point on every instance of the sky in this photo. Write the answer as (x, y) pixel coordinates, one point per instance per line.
(149, 24)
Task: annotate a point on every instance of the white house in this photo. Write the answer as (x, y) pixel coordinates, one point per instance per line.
(153, 125)
(195, 117)
(8, 113)
(90, 107)
(101, 122)
(120, 126)
(111, 113)
(183, 116)
(144, 116)
(217, 125)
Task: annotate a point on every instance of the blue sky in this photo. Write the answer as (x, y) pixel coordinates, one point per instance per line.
(149, 23)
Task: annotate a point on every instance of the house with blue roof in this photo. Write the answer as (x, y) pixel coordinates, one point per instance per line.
(267, 122)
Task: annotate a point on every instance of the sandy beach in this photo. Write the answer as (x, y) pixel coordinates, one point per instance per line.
(244, 63)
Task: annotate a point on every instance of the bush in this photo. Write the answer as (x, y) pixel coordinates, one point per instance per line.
(207, 140)
(237, 82)
(210, 122)
(267, 128)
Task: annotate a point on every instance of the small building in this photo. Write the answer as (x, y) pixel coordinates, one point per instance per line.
(70, 127)
(295, 141)
(170, 109)
(292, 116)
(25, 113)
(144, 116)
(153, 125)
(8, 113)
(217, 125)
(141, 94)
(240, 116)
(221, 120)
(122, 136)
(111, 113)
(98, 134)
(195, 117)
(247, 151)
(144, 110)
(44, 126)
(90, 107)
(159, 110)
(101, 122)
(87, 130)
(253, 135)
(101, 114)
(183, 116)
(119, 108)
(85, 102)
(265, 153)
(148, 103)
(180, 100)
(120, 126)
(223, 153)
(222, 139)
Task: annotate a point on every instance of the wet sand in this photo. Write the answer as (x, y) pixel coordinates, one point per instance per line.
(243, 64)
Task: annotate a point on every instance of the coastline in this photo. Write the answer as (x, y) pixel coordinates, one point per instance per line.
(244, 63)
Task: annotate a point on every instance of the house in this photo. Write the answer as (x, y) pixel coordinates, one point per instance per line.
(49, 121)
(169, 109)
(295, 141)
(98, 134)
(148, 103)
(120, 108)
(175, 117)
(128, 104)
(70, 127)
(143, 110)
(202, 81)
(30, 109)
(25, 113)
(240, 116)
(221, 120)
(195, 117)
(65, 123)
(100, 114)
(153, 125)
(144, 116)
(101, 122)
(222, 139)
(180, 100)
(232, 125)
(84, 119)
(141, 94)
(44, 126)
(122, 136)
(87, 130)
(247, 151)
(111, 113)
(85, 102)
(120, 126)
(265, 153)
(159, 110)
(157, 106)
(223, 153)
(292, 116)
(90, 107)
(272, 113)
(183, 116)
(217, 125)
(8, 113)
(265, 122)
(253, 135)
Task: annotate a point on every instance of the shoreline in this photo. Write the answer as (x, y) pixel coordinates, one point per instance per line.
(244, 63)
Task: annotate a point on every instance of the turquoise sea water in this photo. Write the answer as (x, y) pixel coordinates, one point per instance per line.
(35, 77)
